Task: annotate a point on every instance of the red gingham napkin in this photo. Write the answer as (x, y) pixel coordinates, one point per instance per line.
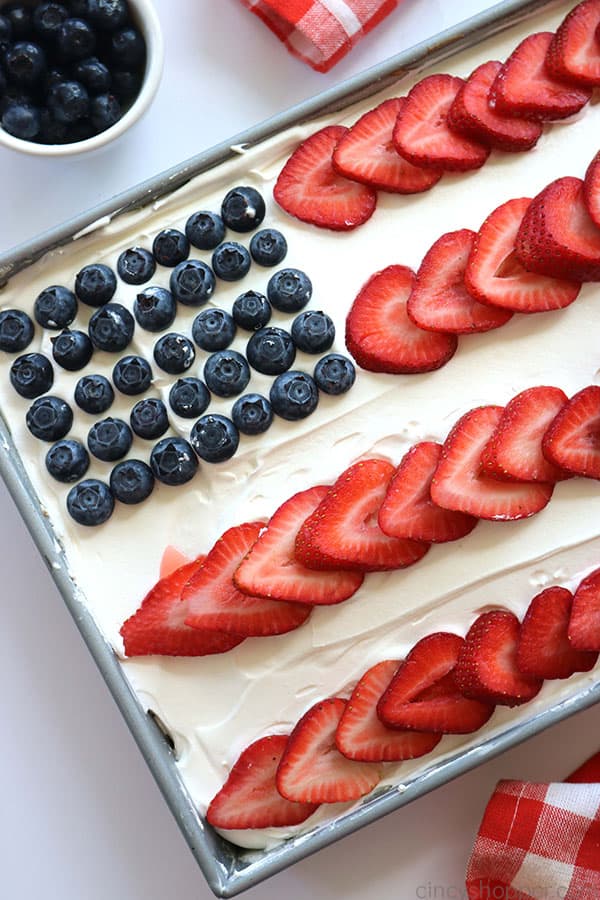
(540, 841)
(321, 32)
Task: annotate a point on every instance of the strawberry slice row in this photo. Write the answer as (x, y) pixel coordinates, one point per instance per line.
(444, 124)
(400, 709)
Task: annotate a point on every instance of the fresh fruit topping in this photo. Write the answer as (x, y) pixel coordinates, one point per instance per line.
(312, 769)
(591, 190)
(90, 502)
(94, 394)
(544, 650)
(172, 559)
(342, 532)
(494, 272)
(158, 626)
(131, 481)
(205, 230)
(72, 350)
(49, 418)
(132, 375)
(154, 308)
(310, 189)
(381, 337)
(423, 695)
(366, 153)
(334, 374)
(55, 307)
(408, 510)
(440, 300)
(243, 209)
(362, 736)
(174, 353)
(487, 667)
(252, 414)
(571, 441)
(251, 311)
(461, 484)
(192, 282)
(189, 397)
(31, 375)
(149, 419)
(16, 330)
(422, 136)
(289, 290)
(472, 115)
(226, 373)
(214, 602)
(294, 396)
(271, 351)
(249, 797)
(525, 87)
(573, 52)
(95, 284)
(214, 438)
(111, 328)
(268, 247)
(272, 570)
(584, 624)
(514, 451)
(170, 247)
(173, 461)
(231, 261)
(213, 329)
(557, 237)
(313, 331)
(67, 461)
(110, 439)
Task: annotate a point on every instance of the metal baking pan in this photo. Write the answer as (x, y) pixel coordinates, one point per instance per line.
(230, 870)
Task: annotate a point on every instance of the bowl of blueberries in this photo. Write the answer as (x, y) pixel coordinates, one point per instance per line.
(75, 74)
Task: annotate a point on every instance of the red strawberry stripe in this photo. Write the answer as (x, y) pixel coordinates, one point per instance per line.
(573, 53)
(572, 441)
(591, 190)
(584, 624)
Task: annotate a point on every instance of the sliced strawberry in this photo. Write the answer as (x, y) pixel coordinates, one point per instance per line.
(514, 451)
(312, 769)
(573, 439)
(271, 570)
(342, 532)
(459, 482)
(362, 736)
(422, 136)
(544, 650)
(366, 154)
(591, 190)
(249, 798)
(423, 693)
(573, 54)
(215, 603)
(382, 338)
(487, 667)
(310, 189)
(440, 300)
(525, 88)
(408, 510)
(472, 115)
(584, 626)
(158, 627)
(494, 274)
(557, 237)
(172, 559)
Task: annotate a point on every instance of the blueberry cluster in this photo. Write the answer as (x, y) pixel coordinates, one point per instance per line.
(68, 70)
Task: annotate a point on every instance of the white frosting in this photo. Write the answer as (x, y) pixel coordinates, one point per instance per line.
(215, 706)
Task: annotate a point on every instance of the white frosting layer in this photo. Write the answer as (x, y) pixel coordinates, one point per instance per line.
(215, 706)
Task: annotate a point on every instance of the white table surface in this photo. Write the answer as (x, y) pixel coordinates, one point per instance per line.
(80, 815)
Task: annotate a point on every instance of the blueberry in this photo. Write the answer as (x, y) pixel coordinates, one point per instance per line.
(313, 331)
(93, 74)
(68, 102)
(95, 284)
(268, 247)
(252, 414)
(334, 374)
(170, 247)
(136, 265)
(289, 290)
(49, 418)
(55, 307)
(48, 18)
(111, 328)
(149, 418)
(16, 330)
(243, 209)
(174, 353)
(271, 351)
(24, 63)
(72, 350)
(214, 438)
(189, 397)
(105, 110)
(192, 282)
(55, 75)
(205, 230)
(125, 84)
(294, 395)
(22, 122)
(231, 261)
(75, 39)
(127, 48)
(213, 329)
(31, 375)
(90, 502)
(19, 16)
(107, 14)
(226, 373)
(251, 311)
(67, 461)
(173, 461)
(109, 439)
(131, 481)
(155, 308)
(132, 375)
(51, 131)
(94, 394)
(15, 96)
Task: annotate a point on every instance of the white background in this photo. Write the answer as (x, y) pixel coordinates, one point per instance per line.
(80, 816)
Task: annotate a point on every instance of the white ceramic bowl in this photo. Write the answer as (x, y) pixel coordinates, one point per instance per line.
(147, 21)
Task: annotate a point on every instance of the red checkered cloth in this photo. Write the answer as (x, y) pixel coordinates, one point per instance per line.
(540, 841)
(321, 32)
